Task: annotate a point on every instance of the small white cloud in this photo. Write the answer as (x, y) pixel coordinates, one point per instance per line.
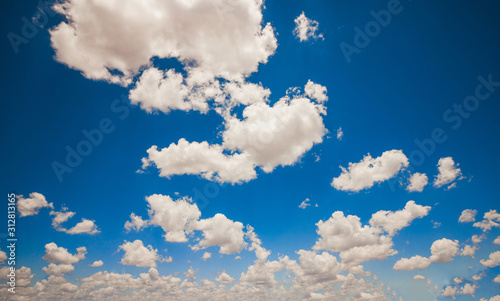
(415, 262)
(478, 276)
(138, 255)
(458, 280)
(448, 172)
(340, 133)
(206, 256)
(469, 289)
(365, 174)
(84, 227)
(469, 251)
(497, 240)
(492, 261)
(306, 28)
(419, 277)
(497, 279)
(58, 269)
(315, 91)
(467, 216)
(32, 205)
(490, 220)
(97, 264)
(417, 182)
(449, 291)
(61, 217)
(220, 231)
(136, 222)
(392, 222)
(61, 255)
(304, 204)
(477, 239)
(224, 278)
(443, 250)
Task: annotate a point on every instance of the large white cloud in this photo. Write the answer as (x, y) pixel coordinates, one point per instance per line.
(61, 255)
(365, 174)
(139, 255)
(276, 135)
(267, 136)
(32, 205)
(99, 37)
(448, 172)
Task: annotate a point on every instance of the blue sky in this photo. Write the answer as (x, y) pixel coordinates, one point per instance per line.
(402, 86)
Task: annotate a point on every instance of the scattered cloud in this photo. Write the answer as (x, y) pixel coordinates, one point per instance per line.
(85, 226)
(415, 262)
(58, 269)
(492, 261)
(206, 256)
(97, 264)
(61, 255)
(138, 255)
(469, 251)
(304, 204)
(448, 172)
(32, 205)
(467, 216)
(365, 174)
(306, 28)
(340, 134)
(392, 222)
(417, 182)
(443, 250)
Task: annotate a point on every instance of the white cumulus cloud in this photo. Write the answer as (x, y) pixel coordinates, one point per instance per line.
(448, 172)
(32, 205)
(365, 174)
(417, 182)
(138, 255)
(61, 255)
